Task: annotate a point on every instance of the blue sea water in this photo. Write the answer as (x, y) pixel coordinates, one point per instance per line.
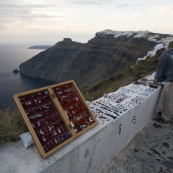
(11, 56)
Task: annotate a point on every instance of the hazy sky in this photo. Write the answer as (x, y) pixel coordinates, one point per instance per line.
(53, 20)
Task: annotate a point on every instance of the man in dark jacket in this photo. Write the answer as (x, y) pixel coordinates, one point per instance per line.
(165, 70)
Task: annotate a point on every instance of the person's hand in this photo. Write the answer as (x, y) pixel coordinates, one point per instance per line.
(155, 81)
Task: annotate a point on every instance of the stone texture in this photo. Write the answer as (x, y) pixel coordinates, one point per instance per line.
(155, 152)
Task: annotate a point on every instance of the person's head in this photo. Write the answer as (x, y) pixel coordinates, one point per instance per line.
(159, 48)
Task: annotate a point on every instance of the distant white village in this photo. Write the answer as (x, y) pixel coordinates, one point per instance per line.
(139, 34)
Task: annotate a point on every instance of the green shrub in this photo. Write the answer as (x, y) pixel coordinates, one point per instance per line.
(11, 124)
(171, 44)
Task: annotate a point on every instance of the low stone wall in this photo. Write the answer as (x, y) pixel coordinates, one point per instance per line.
(91, 151)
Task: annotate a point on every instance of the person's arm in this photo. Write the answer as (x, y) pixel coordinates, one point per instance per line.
(161, 68)
(155, 77)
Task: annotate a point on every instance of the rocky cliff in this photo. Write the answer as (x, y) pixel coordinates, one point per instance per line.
(101, 57)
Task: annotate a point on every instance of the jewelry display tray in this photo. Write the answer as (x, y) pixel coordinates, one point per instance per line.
(55, 115)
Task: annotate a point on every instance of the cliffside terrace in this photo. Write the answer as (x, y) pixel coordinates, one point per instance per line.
(126, 139)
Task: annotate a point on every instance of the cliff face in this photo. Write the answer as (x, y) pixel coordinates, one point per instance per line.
(86, 63)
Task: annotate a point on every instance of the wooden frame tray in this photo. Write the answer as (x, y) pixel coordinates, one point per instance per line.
(55, 115)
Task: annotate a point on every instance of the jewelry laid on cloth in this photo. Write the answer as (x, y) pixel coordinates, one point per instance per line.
(117, 103)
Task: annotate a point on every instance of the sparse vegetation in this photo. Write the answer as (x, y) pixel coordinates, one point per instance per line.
(130, 74)
(11, 124)
(171, 44)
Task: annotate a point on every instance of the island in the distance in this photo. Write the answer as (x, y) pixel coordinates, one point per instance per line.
(40, 47)
(16, 71)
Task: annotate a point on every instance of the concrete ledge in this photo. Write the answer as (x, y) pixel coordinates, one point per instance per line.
(88, 153)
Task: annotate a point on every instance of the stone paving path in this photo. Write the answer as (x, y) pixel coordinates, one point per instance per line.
(150, 151)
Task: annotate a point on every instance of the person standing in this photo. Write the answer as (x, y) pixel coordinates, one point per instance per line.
(165, 70)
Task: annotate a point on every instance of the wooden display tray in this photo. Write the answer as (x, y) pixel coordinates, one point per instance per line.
(55, 115)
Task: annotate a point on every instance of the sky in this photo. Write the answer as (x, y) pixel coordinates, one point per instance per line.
(49, 21)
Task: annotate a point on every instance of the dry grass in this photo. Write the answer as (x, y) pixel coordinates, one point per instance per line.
(11, 124)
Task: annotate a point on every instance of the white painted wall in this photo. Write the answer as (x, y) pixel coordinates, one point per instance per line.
(88, 153)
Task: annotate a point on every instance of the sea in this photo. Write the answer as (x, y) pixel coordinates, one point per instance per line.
(11, 56)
